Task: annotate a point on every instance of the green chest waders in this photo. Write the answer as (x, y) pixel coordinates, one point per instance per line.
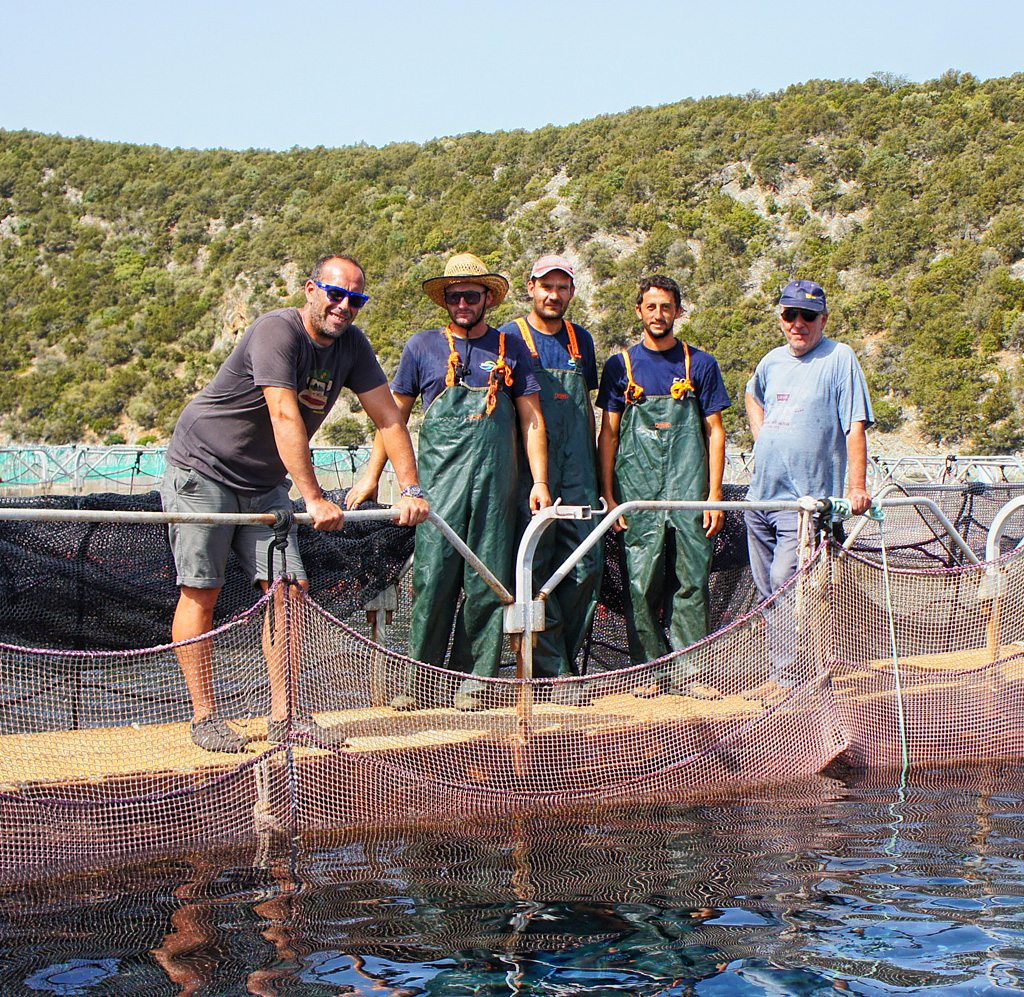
(572, 475)
(663, 455)
(468, 467)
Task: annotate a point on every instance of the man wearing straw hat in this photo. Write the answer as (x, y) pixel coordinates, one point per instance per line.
(566, 368)
(476, 383)
(233, 449)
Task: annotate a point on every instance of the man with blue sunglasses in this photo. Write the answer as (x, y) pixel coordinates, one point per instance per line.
(233, 450)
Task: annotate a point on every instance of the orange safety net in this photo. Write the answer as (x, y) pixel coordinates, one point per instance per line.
(96, 759)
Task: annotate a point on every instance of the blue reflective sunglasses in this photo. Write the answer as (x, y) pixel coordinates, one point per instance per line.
(338, 294)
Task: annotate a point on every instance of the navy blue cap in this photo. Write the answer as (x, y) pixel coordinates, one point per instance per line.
(803, 294)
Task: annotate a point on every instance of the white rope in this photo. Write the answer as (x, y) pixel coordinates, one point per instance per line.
(879, 515)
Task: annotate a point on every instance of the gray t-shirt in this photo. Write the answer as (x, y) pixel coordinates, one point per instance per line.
(225, 432)
(809, 404)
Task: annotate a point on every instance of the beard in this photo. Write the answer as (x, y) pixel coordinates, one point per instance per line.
(557, 310)
(469, 321)
(658, 333)
(319, 320)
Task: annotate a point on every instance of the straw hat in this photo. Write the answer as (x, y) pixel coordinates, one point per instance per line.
(463, 268)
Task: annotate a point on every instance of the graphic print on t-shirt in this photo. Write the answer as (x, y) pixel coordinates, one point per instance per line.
(318, 387)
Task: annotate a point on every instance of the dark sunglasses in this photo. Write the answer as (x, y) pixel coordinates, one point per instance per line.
(338, 294)
(470, 297)
(807, 314)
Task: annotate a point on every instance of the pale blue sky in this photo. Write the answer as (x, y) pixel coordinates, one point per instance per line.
(275, 75)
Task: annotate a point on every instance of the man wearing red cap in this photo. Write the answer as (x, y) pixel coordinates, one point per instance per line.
(566, 369)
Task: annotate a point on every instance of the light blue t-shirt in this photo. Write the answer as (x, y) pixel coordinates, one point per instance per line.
(809, 404)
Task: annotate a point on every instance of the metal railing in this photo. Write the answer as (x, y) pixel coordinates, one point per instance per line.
(83, 469)
(993, 542)
(525, 608)
(882, 501)
(952, 469)
(521, 612)
(526, 614)
(78, 470)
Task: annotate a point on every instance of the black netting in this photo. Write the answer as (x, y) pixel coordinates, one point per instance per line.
(914, 537)
(111, 586)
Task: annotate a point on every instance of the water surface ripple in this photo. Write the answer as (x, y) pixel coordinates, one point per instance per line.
(852, 885)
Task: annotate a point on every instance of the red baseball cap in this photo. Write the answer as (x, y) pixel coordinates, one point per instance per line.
(551, 262)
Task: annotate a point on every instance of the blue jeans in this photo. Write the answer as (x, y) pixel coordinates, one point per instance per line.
(773, 541)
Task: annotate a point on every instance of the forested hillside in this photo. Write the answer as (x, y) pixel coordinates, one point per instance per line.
(127, 271)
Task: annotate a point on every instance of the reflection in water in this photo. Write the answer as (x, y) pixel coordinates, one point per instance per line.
(193, 953)
(808, 889)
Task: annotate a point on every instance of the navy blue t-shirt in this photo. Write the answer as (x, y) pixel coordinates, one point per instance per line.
(424, 364)
(553, 351)
(656, 372)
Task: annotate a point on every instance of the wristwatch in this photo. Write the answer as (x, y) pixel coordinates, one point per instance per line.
(412, 491)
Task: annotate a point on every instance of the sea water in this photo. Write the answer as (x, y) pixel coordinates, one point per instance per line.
(881, 884)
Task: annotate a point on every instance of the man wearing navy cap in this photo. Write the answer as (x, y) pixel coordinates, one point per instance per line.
(808, 408)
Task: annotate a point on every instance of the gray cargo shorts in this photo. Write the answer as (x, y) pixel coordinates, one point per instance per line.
(201, 552)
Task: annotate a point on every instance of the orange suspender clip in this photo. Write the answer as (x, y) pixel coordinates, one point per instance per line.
(453, 358)
(634, 391)
(680, 388)
(499, 367)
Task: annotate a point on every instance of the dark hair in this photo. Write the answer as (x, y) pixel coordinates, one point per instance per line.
(317, 270)
(661, 282)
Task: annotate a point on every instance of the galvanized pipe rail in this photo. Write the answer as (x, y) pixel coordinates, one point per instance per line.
(247, 519)
(526, 615)
(925, 468)
(882, 501)
(996, 530)
(922, 502)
